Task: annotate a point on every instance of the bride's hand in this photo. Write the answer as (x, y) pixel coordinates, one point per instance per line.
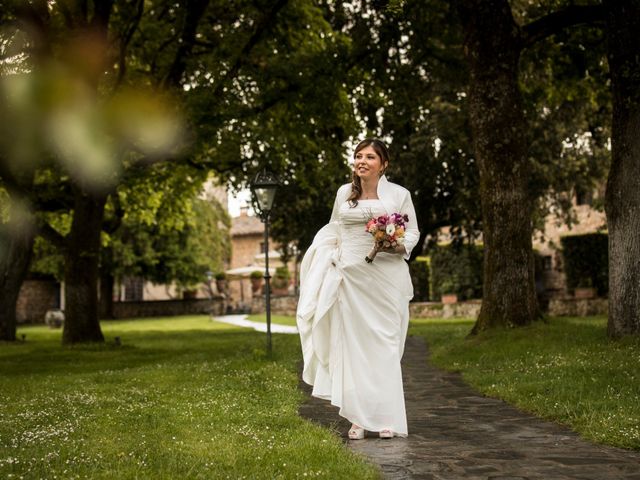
(397, 249)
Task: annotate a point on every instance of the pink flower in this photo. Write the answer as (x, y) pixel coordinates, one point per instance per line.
(387, 230)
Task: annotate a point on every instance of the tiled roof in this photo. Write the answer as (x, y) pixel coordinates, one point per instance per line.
(246, 225)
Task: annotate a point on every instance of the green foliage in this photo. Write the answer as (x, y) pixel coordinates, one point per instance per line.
(419, 270)
(586, 261)
(416, 76)
(565, 370)
(257, 274)
(281, 277)
(185, 256)
(288, 111)
(182, 397)
(4, 205)
(47, 258)
(257, 86)
(414, 90)
(168, 233)
(456, 269)
(564, 81)
(283, 272)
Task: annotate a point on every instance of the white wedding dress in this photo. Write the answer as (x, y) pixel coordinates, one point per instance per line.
(353, 318)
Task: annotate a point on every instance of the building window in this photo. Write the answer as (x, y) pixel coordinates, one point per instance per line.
(262, 247)
(133, 289)
(547, 265)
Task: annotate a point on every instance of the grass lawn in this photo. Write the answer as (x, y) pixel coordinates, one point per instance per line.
(180, 398)
(566, 370)
(280, 319)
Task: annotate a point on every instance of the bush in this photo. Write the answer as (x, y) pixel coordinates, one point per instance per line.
(419, 270)
(281, 277)
(586, 261)
(456, 269)
(257, 274)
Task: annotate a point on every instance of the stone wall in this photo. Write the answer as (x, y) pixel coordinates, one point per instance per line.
(558, 307)
(280, 304)
(168, 308)
(35, 298)
(578, 307)
(469, 309)
(286, 305)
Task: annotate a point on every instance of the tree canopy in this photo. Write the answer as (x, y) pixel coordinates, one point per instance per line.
(119, 111)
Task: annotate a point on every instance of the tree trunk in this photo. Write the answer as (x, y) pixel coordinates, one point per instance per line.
(106, 295)
(81, 270)
(622, 201)
(492, 48)
(16, 247)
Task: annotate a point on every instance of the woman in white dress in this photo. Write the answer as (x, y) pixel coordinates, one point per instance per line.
(352, 315)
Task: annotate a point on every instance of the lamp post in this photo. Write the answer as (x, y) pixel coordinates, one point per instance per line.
(264, 187)
(209, 275)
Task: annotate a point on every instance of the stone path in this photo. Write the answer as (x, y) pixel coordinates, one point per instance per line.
(456, 433)
(241, 321)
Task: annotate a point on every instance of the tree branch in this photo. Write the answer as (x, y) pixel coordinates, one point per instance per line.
(53, 198)
(111, 225)
(557, 21)
(51, 234)
(101, 15)
(261, 27)
(194, 12)
(67, 15)
(35, 18)
(124, 42)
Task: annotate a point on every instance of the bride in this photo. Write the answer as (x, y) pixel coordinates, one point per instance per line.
(352, 315)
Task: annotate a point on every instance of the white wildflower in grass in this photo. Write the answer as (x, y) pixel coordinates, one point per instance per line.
(187, 397)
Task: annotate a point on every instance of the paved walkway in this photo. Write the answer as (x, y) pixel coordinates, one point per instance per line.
(456, 433)
(241, 321)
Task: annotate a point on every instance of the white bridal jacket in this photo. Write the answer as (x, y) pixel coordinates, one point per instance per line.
(353, 316)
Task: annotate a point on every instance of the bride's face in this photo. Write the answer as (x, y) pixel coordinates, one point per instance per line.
(368, 164)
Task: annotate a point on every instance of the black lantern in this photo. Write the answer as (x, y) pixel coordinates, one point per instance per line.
(264, 187)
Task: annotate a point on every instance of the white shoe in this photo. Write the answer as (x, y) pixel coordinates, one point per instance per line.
(386, 433)
(356, 432)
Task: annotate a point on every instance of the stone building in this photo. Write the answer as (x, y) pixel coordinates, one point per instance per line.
(38, 294)
(586, 219)
(248, 255)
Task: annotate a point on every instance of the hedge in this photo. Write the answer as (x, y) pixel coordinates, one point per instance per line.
(419, 270)
(456, 269)
(586, 261)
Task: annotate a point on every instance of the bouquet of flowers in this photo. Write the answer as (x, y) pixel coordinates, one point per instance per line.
(388, 232)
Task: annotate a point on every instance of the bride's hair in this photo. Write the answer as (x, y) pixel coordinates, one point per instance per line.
(356, 186)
